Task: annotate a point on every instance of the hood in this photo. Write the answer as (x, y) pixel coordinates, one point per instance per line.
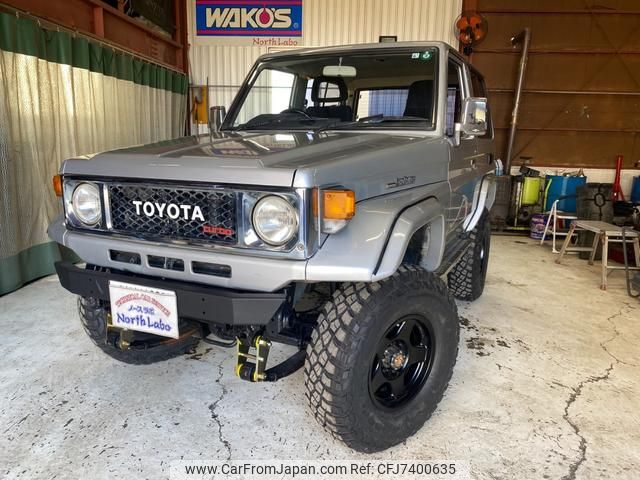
(282, 159)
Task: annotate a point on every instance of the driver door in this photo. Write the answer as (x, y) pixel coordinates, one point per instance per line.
(463, 156)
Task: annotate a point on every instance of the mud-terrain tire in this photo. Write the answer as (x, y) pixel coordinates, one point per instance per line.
(467, 277)
(349, 348)
(150, 349)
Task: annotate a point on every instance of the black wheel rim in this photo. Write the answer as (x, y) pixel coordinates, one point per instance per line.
(401, 363)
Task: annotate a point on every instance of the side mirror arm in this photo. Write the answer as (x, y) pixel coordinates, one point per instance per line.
(216, 117)
(457, 133)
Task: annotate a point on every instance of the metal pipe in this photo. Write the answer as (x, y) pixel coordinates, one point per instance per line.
(525, 38)
(578, 130)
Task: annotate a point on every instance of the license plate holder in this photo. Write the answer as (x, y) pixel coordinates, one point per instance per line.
(144, 309)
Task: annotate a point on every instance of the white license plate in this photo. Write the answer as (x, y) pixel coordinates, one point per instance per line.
(144, 309)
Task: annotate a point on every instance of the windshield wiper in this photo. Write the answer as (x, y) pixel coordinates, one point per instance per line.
(360, 121)
(337, 125)
(280, 122)
(372, 120)
(383, 119)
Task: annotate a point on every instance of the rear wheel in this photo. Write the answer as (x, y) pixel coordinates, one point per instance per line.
(142, 348)
(467, 277)
(381, 358)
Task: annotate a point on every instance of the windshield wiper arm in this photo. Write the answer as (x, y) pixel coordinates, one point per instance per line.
(360, 121)
(400, 119)
(284, 123)
(372, 120)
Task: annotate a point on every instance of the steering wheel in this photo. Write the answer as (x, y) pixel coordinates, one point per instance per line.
(298, 111)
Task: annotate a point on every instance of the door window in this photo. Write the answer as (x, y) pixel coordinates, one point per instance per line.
(454, 96)
(479, 89)
(270, 93)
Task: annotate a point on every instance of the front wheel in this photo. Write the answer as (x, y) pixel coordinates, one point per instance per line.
(381, 358)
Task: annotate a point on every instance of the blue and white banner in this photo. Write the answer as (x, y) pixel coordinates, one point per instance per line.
(249, 22)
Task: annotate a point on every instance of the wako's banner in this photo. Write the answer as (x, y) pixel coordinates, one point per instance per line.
(249, 22)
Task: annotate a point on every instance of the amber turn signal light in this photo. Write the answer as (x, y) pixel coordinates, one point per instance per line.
(338, 207)
(57, 185)
(338, 204)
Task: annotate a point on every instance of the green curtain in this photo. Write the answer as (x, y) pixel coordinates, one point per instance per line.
(63, 96)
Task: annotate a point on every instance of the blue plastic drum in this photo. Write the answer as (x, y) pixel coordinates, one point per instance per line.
(563, 187)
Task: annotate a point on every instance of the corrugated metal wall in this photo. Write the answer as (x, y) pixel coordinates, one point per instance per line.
(326, 22)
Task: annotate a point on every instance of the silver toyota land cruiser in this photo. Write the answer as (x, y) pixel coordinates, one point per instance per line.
(339, 207)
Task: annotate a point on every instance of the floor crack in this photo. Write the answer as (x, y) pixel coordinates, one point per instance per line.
(214, 415)
(616, 334)
(577, 391)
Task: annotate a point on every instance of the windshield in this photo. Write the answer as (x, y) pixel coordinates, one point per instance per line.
(360, 90)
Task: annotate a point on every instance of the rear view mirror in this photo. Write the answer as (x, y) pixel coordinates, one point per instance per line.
(216, 117)
(339, 71)
(474, 116)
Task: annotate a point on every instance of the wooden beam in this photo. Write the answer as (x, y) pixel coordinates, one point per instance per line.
(547, 51)
(98, 21)
(556, 11)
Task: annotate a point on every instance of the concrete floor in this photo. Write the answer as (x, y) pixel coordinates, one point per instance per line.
(547, 385)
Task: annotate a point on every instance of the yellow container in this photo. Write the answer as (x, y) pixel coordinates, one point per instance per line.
(531, 190)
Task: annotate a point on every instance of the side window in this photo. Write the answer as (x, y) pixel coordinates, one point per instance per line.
(477, 85)
(454, 96)
(479, 89)
(271, 93)
(281, 90)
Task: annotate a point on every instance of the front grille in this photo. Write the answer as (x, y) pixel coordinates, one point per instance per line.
(218, 208)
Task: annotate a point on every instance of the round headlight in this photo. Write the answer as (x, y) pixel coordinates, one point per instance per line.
(86, 203)
(275, 220)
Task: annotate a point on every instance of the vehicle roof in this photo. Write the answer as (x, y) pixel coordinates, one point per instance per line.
(357, 47)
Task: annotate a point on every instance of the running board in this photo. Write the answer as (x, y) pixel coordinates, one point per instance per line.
(453, 254)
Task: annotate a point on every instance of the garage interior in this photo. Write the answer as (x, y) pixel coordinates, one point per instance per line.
(547, 379)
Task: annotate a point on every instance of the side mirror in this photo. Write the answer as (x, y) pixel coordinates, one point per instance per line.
(216, 117)
(474, 116)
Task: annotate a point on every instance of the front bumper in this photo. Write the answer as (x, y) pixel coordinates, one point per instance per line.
(198, 302)
(245, 272)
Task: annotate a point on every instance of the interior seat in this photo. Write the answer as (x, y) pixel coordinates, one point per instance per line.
(342, 111)
(420, 99)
